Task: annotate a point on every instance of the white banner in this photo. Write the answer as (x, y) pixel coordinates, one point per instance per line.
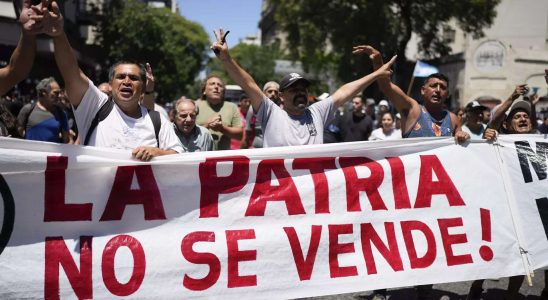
(525, 162)
(264, 223)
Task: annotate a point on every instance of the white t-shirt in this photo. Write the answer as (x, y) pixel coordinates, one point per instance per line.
(379, 135)
(474, 136)
(118, 130)
(281, 129)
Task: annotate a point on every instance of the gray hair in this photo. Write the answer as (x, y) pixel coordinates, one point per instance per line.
(186, 100)
(270, 84)
(44, 85)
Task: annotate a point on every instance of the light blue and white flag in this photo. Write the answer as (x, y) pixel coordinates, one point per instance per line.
(423, 69)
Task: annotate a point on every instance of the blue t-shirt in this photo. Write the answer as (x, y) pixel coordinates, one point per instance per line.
(428, 126)
(42, 125)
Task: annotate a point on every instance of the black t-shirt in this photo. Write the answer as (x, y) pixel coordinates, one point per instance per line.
(356, 128)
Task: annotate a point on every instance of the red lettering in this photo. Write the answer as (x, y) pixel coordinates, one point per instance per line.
(122, 195)
(317, 167)
(355, 185)
(451, 239)
(427, 187)
(212, 185)
(57, 253)
(428, 258)
(304, 265)
(235, 255)
(335, 249)
(264, 190)
(209, 259)
(391, 253)
(399, 185)
(107, 265)
(55, 208)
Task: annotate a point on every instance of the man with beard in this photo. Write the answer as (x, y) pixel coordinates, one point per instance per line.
(356, 126)
(194, 138)
(297, 123)
(222, 118)
(121, 123)
(420, 121)
(45, 120)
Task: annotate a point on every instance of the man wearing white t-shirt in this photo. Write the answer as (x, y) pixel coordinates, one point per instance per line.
(128, 125)
(297, 123)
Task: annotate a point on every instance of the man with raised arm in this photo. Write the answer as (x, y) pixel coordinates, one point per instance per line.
(22, 57)
(297, 123)
(427, 120)
(126, 124)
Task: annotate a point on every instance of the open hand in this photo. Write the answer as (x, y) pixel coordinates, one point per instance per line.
(150, 79)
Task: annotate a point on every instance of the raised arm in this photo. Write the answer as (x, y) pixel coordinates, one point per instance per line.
(148, 99)
(500, 113)
(401, 101)
(239, 75)
(76, 82)
(22, 57)
(350, 89)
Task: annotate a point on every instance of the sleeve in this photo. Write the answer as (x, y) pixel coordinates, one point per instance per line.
(265, 110)
(87, 109)
(236, 118)
(168, 137)
(22, 116)
(324, 109)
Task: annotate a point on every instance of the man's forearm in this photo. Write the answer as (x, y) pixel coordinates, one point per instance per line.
(75, 81)
(232, 132)
(20, 63)
(244, 80)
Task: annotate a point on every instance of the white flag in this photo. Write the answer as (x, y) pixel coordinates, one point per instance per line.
(423, 69)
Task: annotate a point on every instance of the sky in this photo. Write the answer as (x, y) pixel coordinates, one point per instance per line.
(241, 17)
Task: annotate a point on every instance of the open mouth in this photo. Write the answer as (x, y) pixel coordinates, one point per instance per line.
(126, 92)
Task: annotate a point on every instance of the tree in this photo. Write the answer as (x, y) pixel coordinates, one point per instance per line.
(258, 61)
(175, 47)
(314, 26)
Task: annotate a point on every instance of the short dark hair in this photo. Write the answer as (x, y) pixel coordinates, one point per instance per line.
(142, 72)
(439, 76)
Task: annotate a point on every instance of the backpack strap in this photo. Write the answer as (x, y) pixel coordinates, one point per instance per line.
(26, 121)
(102, 114)
(157, 123)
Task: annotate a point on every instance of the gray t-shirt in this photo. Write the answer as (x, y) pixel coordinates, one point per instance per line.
(281, 129)
(199, 140)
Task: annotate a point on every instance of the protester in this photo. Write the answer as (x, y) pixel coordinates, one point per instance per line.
(370, 110)
(417, 120)
(243, 109)
(460, 113)
(382, 107)
(429, 120)
(511, 117)
(387, 131)
(220, 117)
(194, 138)
(543, 128)
(126, 124)
(149, 100)
(356, 126)
(474, 120)
(297, 123)
(105, 88)
(44, 120)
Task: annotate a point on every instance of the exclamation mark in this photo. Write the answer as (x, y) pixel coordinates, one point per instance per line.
(485, 251)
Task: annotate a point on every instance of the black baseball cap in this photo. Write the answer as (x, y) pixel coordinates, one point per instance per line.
(291, 79)
(475, 106)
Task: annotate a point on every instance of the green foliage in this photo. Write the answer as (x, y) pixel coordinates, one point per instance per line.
(175, 47)
(321, 33)
(258, 61)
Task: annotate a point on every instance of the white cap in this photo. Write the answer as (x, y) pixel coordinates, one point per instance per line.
(384, 102)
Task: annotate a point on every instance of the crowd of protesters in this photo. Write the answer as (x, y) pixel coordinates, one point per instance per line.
(123, 114)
